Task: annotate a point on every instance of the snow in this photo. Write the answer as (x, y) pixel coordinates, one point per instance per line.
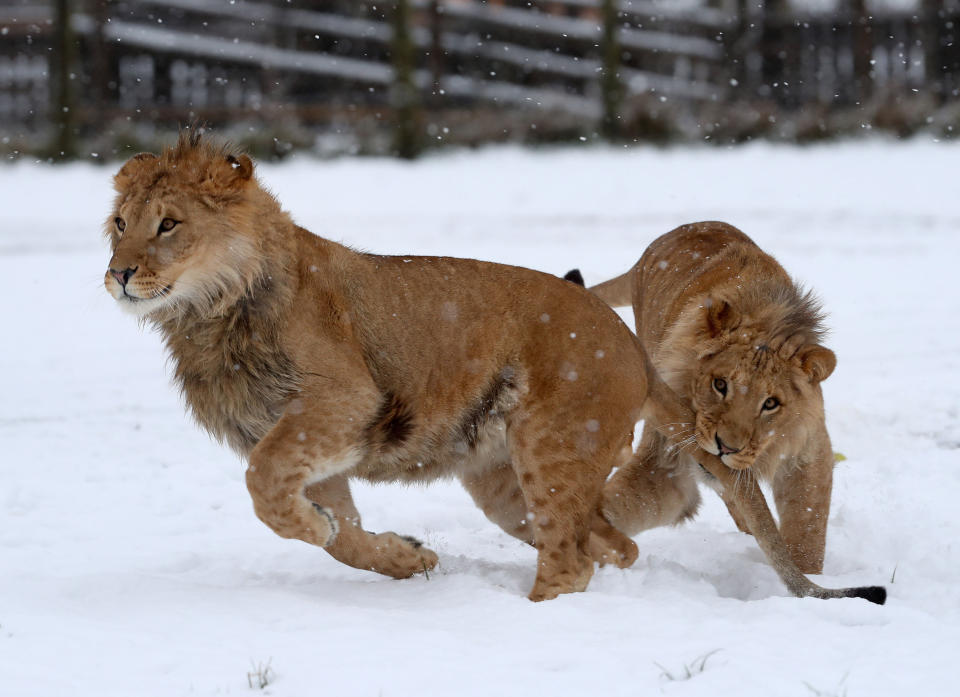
(131, 562)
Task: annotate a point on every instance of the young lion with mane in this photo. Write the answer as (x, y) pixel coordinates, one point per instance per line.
(739, 342)
(317, 363)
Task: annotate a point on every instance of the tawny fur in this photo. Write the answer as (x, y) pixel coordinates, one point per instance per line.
(710, 305)
(317, 364)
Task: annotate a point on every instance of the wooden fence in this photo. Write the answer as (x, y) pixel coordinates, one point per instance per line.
(845, 58)
(78, 64)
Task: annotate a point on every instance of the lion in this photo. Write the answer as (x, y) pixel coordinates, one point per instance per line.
(741, 344)
(318, 364)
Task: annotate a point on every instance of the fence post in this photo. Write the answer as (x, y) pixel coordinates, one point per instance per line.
(931, 16)
(61, 73)
(436, 49)
(406, 135)
(611, 89)
(742, 45)
(99, 65)
(772, 54)
(862, 49)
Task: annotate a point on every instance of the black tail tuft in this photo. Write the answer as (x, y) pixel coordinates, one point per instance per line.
(875, 594)
(574, 276)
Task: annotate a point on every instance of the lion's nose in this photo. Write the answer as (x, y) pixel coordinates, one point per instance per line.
(123, 276)
(724, 448)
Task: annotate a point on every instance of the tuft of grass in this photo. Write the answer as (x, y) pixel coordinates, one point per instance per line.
(695, 667)
(261, 675)
(839, 691)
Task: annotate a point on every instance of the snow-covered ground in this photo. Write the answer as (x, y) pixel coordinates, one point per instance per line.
(131, 562)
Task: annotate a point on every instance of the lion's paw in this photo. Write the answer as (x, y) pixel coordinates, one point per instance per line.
(622, 553)
(548, 587)
(403, 556)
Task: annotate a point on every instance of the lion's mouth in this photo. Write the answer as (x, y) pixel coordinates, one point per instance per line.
(735, 464)
(741, 460)
(735, 461)
(156, 294)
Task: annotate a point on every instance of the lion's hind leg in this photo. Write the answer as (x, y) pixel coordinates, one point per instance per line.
(561, 514)
(562, 491)
(496, 491)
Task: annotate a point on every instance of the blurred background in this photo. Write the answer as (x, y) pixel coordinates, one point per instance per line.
(99, 79)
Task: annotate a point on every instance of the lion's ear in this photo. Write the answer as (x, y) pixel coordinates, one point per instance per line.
(817, 362)
(227, 177)
(131, 168)
(236, 173)
(242, 167)
(719, 316)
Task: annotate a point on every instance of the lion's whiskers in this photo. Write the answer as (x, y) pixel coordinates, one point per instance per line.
(683, 446)
(675, 439)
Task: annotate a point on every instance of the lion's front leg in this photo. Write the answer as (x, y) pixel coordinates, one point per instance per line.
(298, 451)
(297, 479)
(386, 553)
(650, 490)
(734, 512)
(802, 496)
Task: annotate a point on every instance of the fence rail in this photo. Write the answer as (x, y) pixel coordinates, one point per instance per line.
(327, 60)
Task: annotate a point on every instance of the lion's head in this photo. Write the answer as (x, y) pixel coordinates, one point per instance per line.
(753, 376)
(177, 232)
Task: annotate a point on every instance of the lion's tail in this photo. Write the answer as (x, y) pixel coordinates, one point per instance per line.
(616, 292)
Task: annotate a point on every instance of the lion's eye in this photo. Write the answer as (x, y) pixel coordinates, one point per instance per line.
(771, 403)
(720, 385)
(120, 223)
(166, 225)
